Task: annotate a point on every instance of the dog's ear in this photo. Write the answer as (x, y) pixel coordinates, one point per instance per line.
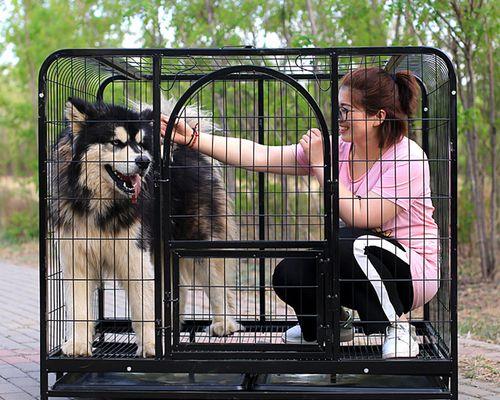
(76, 112)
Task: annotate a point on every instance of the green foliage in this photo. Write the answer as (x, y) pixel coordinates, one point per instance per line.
(33, 30)
(465, 214)
(22, 226)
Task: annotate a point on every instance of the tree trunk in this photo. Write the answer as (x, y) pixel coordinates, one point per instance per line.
(312, 18)
(493, 139)
(475, 176)
(397, 27)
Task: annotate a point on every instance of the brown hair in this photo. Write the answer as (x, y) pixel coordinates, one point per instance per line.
(376, 89)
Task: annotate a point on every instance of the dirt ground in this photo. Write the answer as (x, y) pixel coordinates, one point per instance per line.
(20, 254)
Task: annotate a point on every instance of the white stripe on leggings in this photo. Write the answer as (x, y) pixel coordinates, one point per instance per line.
(371, 272)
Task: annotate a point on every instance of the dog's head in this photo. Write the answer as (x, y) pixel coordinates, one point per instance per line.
(111, 147)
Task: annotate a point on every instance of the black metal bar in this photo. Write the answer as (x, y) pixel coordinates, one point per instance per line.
(157, 206)
(247, 253)
(100, 306)
(225, 351)
(424, 104)
(166, 190)
(271, 326)
(260, 366)
(104, 84)
(278, 392)
(262, 209)
(42, 210)
(191, 52)
(248, 244)
(246, 77)
(334, 299)
(173, 300)
(124, 68)
(425, 115)
(322, 331)
(454, 231)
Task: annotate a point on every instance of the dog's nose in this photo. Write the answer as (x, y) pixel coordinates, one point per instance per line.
(142, 162)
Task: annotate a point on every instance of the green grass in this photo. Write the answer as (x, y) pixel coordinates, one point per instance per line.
(480, 327)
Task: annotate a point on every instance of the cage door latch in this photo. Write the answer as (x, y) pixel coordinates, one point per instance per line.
(168, 298)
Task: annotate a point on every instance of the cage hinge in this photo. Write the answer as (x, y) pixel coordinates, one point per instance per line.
(157, 179)
(331, 184)
(164, 328)
(168, 298)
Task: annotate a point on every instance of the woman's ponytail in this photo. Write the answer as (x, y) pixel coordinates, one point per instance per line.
(408, 90)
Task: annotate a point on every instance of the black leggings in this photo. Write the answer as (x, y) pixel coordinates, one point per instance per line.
(375, 280)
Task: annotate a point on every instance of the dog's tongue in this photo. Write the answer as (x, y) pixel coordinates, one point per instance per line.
(136, 183)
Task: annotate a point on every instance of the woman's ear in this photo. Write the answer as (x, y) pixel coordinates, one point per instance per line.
(379, 118)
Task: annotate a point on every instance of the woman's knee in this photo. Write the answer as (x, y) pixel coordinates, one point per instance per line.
(281, 272)
(280, 278)
(293, 272)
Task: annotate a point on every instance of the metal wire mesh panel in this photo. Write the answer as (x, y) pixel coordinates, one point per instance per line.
(96, 240)
(424, 236)
(250, 299)
(154, 248)
(291, 206)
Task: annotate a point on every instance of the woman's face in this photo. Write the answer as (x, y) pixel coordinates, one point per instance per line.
(354, 124)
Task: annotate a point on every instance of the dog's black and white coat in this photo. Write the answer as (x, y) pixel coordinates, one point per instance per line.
(101, 213)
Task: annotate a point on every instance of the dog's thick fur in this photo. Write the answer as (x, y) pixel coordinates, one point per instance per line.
(102, 223)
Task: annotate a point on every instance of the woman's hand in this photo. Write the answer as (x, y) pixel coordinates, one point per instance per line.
(181, 133)
(312, 144)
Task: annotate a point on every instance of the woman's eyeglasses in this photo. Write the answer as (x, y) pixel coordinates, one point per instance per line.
(344, 113)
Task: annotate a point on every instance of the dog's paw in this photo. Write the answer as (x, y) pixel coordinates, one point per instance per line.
(146, 350)
(78, 349)
(225, 327)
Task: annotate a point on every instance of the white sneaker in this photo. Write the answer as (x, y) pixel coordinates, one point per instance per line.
(400, 341)
(294, 334)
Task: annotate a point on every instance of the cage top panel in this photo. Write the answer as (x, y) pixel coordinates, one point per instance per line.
(79, 68)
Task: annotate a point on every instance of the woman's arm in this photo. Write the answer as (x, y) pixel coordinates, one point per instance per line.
(239, 152)
(362, 212)
(367, 212)
(250, 155)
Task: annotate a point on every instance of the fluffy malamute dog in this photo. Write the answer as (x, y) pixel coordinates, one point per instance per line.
(101, 213)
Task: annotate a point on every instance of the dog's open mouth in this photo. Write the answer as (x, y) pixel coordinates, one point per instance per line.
(130, 184)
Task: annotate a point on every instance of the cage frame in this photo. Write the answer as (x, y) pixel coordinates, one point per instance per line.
(270, 362)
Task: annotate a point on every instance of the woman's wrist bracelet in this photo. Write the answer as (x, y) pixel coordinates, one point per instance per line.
(194, 140)
(194, 137)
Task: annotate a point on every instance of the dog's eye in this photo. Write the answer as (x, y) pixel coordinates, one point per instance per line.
(117, 142)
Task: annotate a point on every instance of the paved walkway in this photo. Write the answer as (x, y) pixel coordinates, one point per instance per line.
(19, 340)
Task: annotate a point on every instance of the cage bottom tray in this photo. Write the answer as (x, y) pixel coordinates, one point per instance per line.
(237, 386)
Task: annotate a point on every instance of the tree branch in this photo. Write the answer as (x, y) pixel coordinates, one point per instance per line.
(312, 18)
(454, 33)
(409, 20)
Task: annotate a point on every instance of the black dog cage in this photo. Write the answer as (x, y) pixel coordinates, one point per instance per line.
(217, 322)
